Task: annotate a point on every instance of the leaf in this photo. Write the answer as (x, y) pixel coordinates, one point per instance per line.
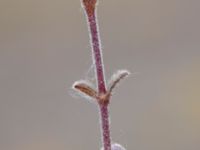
(116, 78)
(85, 88)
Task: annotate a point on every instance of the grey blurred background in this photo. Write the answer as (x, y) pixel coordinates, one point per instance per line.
(44, 48)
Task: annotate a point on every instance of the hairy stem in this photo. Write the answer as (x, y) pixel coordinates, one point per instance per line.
(105, 127)
(97, 52)
(103, 94)
(98, 59)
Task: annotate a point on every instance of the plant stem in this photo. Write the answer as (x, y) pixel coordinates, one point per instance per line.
(98, 59)
(97, 52)
(102, 96)
(105, 127)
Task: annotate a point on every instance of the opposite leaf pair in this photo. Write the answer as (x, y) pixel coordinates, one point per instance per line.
(88, 90)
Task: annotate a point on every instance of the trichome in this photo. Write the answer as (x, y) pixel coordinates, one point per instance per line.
(102, 94)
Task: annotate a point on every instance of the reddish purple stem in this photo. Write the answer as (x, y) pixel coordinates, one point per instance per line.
(97, 54)
(105, 126)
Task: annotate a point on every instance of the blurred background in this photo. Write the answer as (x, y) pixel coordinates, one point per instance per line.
(44, 48)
